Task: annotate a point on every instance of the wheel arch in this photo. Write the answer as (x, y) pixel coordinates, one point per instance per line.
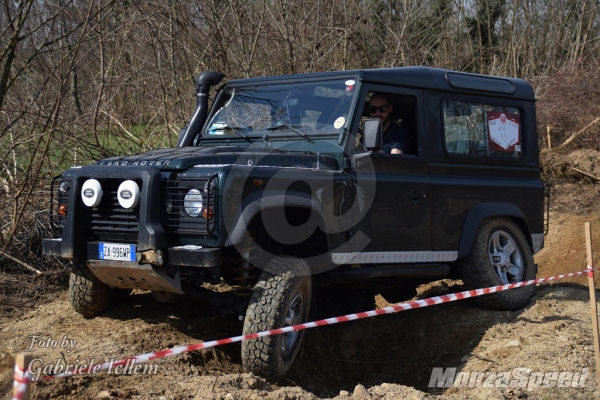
(482, 211)
(254, 211)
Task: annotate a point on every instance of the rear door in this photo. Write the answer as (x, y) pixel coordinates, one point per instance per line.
(482, 153)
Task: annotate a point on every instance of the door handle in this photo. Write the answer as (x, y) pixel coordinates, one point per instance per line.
(415, 196)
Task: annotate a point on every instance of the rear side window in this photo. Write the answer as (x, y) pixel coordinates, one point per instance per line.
(483, 130)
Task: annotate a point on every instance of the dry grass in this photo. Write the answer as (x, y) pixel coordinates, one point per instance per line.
(567, 103)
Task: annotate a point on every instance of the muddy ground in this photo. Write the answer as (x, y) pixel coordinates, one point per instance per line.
(391, 356)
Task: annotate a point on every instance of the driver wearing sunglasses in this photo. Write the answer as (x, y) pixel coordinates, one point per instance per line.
(395, 139)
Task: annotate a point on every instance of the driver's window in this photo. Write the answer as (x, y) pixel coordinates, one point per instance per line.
(397, 113)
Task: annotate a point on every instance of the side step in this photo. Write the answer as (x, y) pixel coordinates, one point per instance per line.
(386, 270)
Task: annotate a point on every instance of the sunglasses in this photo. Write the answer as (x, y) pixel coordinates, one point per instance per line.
(382, 109)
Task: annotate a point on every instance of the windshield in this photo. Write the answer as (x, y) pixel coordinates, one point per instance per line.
(304, 109)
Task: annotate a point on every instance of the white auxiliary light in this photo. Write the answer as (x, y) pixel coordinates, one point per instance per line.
(128, 194)
(91, 193)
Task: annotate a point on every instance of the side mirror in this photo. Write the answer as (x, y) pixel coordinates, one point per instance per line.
(372, 134)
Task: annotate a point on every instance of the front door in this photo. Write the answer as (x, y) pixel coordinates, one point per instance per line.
(393, 190)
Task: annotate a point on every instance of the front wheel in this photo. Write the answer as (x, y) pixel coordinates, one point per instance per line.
(280, 298)
(89, 296)
(500, 255)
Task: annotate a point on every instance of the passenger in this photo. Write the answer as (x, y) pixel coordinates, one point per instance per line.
(395, 139)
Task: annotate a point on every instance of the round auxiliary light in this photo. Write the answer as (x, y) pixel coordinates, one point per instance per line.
(91, 193)
(128, 194)
(192, 202)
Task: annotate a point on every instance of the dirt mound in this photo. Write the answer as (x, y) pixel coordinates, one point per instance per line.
(586, 160)
(566, 251)
(575, 166)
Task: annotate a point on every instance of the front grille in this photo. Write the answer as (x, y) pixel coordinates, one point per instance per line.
(111, 222)
(177, 221)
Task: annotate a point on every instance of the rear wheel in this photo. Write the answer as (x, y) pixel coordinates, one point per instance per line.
(500, 256)
(280, 298)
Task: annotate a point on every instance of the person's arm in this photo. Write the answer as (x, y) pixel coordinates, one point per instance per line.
(400, 141)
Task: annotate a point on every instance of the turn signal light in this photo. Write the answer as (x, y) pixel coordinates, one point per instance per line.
(63, 210)
(207, 213)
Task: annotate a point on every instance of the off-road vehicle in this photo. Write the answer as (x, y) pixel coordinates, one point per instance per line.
(281, 188)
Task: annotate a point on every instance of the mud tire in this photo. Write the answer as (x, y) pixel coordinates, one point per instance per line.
(278, 288)
(476, 270)
(88, 295)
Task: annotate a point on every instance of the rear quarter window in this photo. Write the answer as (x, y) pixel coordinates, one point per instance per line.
(482, 130)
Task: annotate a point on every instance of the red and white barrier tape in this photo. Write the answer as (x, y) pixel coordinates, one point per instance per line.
(20, 383)
(329, 321)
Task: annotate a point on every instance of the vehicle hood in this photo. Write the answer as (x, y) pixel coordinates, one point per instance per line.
(181, 158)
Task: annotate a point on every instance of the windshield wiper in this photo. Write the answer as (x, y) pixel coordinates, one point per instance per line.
(290, 127)
(237, 130)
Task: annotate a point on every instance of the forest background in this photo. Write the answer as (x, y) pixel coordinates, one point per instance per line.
(81, 80)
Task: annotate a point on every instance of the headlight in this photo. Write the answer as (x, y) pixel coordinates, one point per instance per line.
(63, 187)
(192, 202)
(91, 193)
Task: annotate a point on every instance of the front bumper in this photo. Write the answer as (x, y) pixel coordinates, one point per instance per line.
(192, 256)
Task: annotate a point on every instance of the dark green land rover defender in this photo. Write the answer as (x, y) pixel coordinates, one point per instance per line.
(360, 180)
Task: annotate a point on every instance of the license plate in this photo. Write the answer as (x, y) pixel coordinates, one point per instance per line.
(117, 252)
